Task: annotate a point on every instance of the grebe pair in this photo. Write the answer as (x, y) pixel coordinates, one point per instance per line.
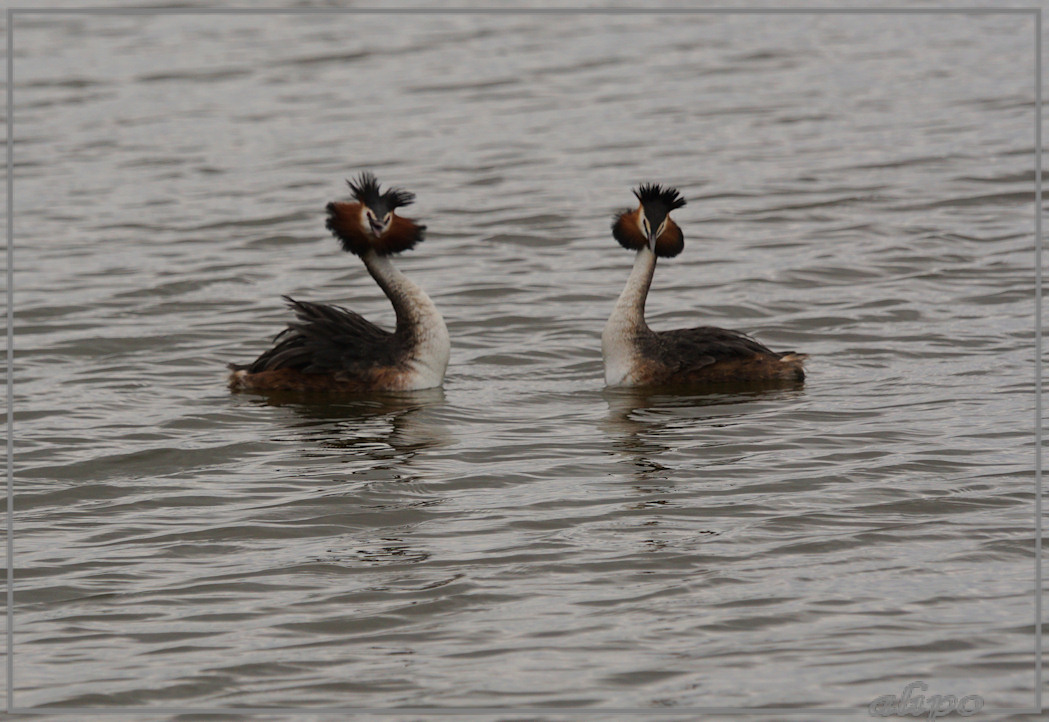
(328, 348)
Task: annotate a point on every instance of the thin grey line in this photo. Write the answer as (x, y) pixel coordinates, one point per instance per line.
(10, 696)
(529, 11)
(468, 711)
(1038, 359)
(461, 711)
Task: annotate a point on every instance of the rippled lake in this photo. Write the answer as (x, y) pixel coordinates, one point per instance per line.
(860, 188)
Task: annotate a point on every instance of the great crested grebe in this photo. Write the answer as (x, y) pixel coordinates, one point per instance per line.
(635, 355)
(328, 348)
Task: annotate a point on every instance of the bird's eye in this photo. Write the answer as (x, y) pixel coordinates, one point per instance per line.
(386, 218)
(662, 227)
(644, 224)
(371, 216)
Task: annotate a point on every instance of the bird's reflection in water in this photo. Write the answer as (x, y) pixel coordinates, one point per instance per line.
(365, 463)
(642, 425)
(641, 420)
(383, 426)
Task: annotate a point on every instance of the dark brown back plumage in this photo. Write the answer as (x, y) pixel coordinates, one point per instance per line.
(714, 355)
(326, 339)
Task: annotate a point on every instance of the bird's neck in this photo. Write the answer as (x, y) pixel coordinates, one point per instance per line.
(418, 319)
(630, 308)
(407, 298)
(619, 341)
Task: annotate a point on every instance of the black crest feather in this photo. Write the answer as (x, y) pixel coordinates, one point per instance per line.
(653, 194)
(366, 190)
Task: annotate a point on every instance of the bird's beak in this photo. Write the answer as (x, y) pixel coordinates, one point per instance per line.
(652, 242)
(377, 227)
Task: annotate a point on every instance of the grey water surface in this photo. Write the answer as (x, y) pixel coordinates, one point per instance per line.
(860, 188)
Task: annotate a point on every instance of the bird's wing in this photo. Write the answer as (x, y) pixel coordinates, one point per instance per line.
(327, 339)
(691, 349)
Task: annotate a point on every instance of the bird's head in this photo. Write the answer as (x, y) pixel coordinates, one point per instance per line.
(650, 224)
(370, 223)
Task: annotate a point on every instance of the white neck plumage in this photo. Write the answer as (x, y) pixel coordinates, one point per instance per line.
(618, 341)
(418, 320)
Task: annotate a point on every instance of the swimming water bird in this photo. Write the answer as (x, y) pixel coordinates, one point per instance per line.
(328, 348)
(635, 355)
